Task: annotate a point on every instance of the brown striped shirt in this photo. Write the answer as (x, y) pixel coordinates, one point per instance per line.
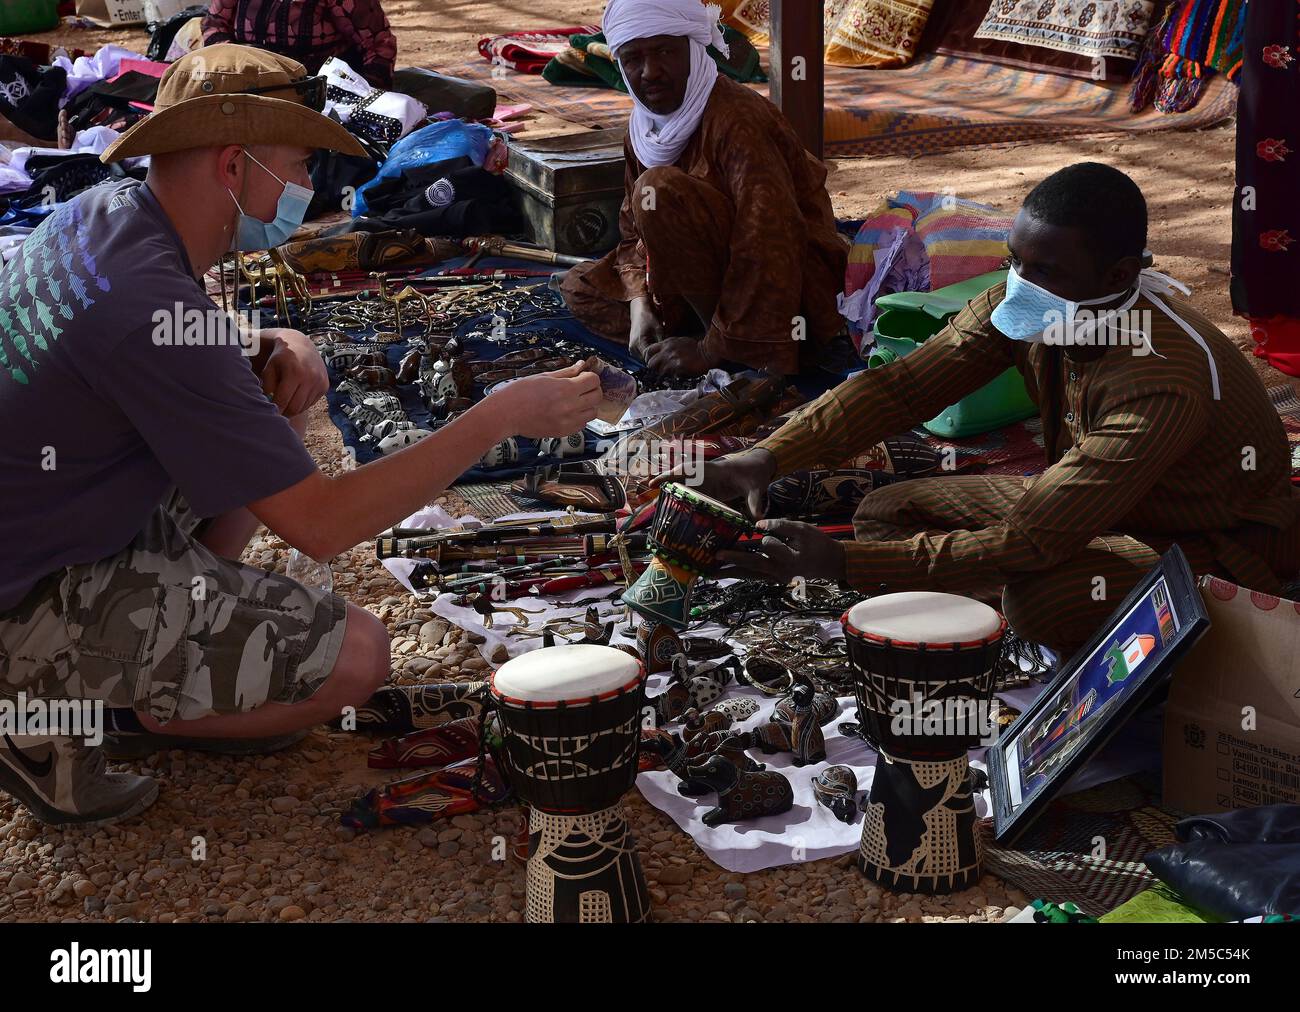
(1135, 444)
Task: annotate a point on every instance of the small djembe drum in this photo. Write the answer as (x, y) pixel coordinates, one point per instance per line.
(571, 729)
(924, 667)
(686, 534)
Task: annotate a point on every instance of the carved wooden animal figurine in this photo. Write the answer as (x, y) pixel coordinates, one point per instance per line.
(670, 704)
(350, 356)
(562, 446)
(738, 708)
(825, 705)
(705, 681)
(742, 795)
(806, 739)
(400, 439)
(374, 376)
(482, 604)
(408, 370)
(721, 743)
(593, 631)
(769, 738)
(676, 755)
(704, 745)
(697, 724)
(836, 787)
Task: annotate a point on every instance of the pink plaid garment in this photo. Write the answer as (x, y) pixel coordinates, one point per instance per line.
(310, 31)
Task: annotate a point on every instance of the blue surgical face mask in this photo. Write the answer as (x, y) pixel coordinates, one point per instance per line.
(254, 234)
(1028, 311)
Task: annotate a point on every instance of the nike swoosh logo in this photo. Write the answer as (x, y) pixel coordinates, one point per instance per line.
(39, 770)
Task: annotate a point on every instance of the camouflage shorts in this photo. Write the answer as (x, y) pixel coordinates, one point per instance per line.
(166, 626)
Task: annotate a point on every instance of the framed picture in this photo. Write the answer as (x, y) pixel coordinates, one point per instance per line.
(1094, 693)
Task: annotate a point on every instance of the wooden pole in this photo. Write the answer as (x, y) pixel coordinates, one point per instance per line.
(797, 73)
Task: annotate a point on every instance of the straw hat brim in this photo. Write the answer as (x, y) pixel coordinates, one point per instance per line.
(217, 120)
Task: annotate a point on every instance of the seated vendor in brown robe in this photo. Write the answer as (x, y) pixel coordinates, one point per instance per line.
(729, 252)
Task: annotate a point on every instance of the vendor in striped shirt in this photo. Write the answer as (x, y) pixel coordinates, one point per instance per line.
(1157, 431)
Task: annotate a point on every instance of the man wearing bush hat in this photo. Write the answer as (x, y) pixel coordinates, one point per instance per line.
(141, 453)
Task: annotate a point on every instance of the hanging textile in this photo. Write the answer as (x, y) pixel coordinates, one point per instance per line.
(1266, 212)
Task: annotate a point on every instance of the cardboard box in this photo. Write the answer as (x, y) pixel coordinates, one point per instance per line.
(115, 13)
(1232, 723)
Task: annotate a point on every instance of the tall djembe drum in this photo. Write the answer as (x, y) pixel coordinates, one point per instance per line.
(571, 723)
(924, 668)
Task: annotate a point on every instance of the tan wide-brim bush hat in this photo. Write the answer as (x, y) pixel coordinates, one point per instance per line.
(204, 100)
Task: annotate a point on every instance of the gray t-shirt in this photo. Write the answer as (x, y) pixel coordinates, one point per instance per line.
(100, 417)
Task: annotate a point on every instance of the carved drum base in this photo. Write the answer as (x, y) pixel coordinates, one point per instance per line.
(918, 829)
(584, 869)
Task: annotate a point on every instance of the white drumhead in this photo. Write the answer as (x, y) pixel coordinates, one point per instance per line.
(923, 616)
(573, 671)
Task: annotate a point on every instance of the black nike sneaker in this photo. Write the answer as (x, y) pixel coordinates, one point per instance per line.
(63, 782)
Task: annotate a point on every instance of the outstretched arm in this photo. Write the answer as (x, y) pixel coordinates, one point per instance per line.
(324, 516)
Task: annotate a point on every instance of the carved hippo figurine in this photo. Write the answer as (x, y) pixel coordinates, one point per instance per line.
(742, 795)
(806, 739)
(836, 787)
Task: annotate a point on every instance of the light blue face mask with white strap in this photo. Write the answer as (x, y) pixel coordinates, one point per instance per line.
(1031, 313)
(254, 234)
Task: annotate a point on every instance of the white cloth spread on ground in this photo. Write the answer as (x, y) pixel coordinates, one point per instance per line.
(660, 140)
(808, 832)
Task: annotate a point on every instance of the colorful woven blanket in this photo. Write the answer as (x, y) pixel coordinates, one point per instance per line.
(918, 242)
(530, 52)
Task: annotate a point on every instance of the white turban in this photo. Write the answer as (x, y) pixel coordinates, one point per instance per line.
(660, 140)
